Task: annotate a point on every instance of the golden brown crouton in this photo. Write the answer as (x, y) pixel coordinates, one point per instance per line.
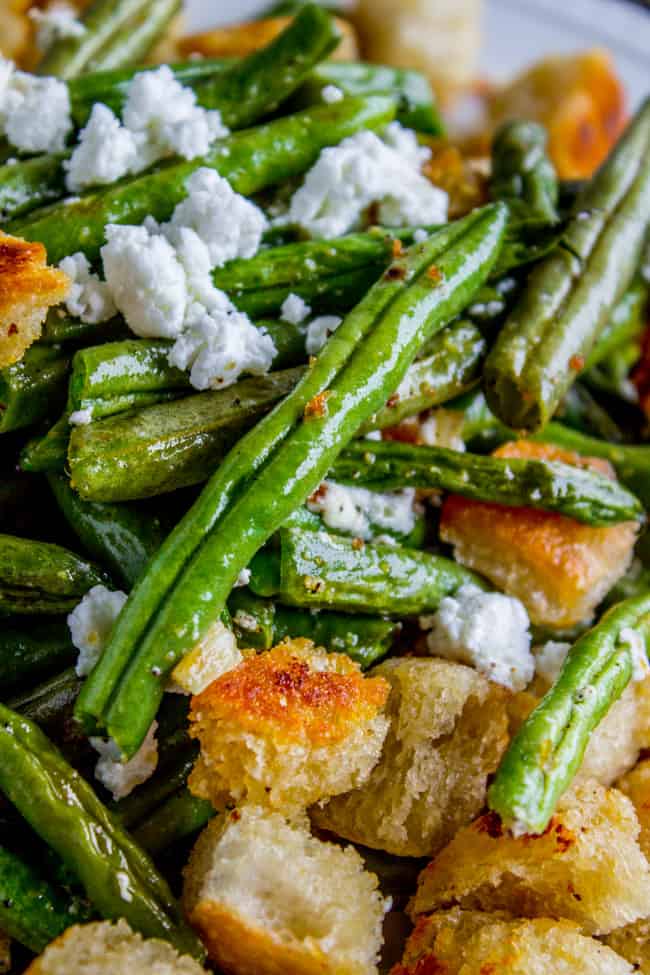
(459, 942)
(239, 40)
(636, 785)
(447, 734)
(270, 899)
(28, 287)
(632, 942)
(586, 867)
(103, 948)
(287, 728)
(558, 567)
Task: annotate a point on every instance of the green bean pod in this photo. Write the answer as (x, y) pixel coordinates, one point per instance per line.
(38, 578)
(34, 387)
(32, 910)
(249, 160)
(581, 411)
(29, 652)
(121, 537)
(546, 752)
(320, 570)
(626, 323)
(60, 327)
(26, 184)
(47, 452)
(180, 816)
(571, 294)
(171, 445)
(585, 495)
(118, 877)
(295, 445)
(522, 173)
(133, 41)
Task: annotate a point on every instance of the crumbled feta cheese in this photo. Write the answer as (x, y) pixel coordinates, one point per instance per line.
(89, 297)
(220, 346)
(442, 428)
(331, 94)
(91, 623)
(405, 142)
(373, 435)
(35, 112)
(420, 235)
(549, 658)
(358, 512)
(362, 170)
(294, 310)
(228, 224)
(146, 280)
(213, 656)
(632, 639)
(58, 22)
(318, 332)
(165, 112)
(81, 418)
(488, 631)
(243, 578)
(106, 151)
(121, 778)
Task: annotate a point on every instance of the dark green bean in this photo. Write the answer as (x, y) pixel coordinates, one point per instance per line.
(31, 652)
(180, 816)
(34, 387)
(523, 174)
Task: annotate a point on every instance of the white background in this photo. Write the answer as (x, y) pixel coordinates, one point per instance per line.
(517, 32)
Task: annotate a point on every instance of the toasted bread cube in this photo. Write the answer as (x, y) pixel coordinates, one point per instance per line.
(578, 98)
(287, 728)
(586, 867)
(636, 785)
(558, 567)
(268, 898)
(632, 942)
(104, 948)
(239, 40)
(28, 287)
(473, 943)
(448, 731)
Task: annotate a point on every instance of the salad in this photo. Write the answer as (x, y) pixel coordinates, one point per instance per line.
(324, 588)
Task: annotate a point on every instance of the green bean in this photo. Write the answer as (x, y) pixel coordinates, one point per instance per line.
(417, 107)
(261, 623)
(171, 445)
(522, 173)
(581, 411)
(70, 56)
(546, 752)
(32, 910)
(29, 183)
(249, 160)
(34, 387)
(319, 570)
(118, 877)
(168, 778)
(62, 328)
(626, 323)
(133, 41)
(47, 452)
(295, 446)
(49, 704)
(30, 652)
(37, 578)
(121, 537)
(180, 816)
(571, 294)
(547, 485)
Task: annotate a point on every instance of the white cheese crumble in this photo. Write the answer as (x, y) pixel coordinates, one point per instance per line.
(635, 642)
(549, 658)
(294, 310)
(213, 656)
(34, 112)
(332, 94)
(91, 623)
(488, 631)
(359, 512)
(160, 118)
(121, 778)
(420, 235)
(89, 297)
(81, 418)
(243, 578)
(58, 22)
(318, 332)
(228, 224)
(442, 428)
(361, 170)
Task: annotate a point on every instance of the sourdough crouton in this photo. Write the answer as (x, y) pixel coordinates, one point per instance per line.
(28, 287)
(268, 898)
(636, 785)
(287, 728)
(104, 948)
(586, 867)
(459, 942)
(447, 734)
(238, 40)
(558, 567)
(632, 942)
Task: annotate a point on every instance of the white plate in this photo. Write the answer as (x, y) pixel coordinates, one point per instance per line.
(517, 32)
